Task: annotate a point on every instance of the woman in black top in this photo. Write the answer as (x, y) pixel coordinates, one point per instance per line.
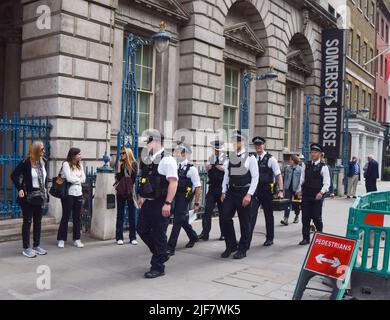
(29, 176)
(127, 166)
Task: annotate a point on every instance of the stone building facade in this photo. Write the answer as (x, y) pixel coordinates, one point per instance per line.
(73, 71)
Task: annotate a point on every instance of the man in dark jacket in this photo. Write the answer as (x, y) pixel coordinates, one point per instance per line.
(371, 174)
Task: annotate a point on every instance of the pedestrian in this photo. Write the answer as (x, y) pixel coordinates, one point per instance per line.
(238, 188)
(157, 189)
(215, 172)
(314, 183)
(269, 171)
(188, 187)
(73, 172)
(353, 176)
(301, 160)
(125, 181)
(371, 174)
(30, 179)
(292, 176)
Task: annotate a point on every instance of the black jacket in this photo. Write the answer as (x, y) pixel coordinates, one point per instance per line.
(372, 172)
(21, 176)
(119, 175)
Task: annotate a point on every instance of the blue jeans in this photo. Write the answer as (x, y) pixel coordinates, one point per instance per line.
(290, 195)
(121, 204)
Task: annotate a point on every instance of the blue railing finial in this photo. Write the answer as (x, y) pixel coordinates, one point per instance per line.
(105, 167)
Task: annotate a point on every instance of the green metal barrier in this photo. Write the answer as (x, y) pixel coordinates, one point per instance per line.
(369, 222)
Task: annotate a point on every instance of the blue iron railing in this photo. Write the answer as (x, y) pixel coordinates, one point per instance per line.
(16, 135)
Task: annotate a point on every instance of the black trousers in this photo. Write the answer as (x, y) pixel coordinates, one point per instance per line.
(120, 215)
(152, 228)
(311, 210)
(213, 197)
(231, 205)
(31, 214)
(71, 206)
(180, 220)
(264, 198)
(371, 185)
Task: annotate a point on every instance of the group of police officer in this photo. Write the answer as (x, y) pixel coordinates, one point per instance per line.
(239, 182)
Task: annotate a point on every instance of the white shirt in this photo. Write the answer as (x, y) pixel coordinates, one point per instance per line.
(34, 176)
(192, 173)
(325, 175)
(251, 165)
(74, 176)
(167, 166)
(272, 163)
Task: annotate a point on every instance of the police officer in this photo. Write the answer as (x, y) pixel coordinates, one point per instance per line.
(215, 173)
(314, 183)
(157, 189)
(268, 170)
(188, 187)
(239, 185)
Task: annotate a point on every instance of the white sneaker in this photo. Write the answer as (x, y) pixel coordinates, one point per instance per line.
(61, 244)
(78, 244)
(134, 242)
(119, 242)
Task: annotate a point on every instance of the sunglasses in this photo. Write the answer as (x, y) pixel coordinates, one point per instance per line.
(122, 153)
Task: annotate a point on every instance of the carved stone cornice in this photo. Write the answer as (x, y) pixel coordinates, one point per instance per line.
(241, 34)
(170, 8)
(296, 61)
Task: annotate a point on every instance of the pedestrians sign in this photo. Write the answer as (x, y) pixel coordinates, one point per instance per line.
(328, 254)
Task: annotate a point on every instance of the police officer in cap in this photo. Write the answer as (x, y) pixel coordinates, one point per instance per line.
(157, 189)
(239, 185)
(188, 187)
(215, 173)
(314, 183)
(268, 170)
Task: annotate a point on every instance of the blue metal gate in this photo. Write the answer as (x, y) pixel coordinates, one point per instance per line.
(16, 135)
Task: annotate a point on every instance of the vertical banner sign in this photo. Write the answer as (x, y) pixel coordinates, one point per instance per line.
(332, 75)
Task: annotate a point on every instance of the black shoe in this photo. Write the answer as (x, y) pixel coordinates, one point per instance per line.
(239, 255)
(268, 243)
(228, 252)
(284, 221)
(304, 242)
(348, 197)
(192, 242)
(153, 274)
(203, 237)
(170, 253)
(221, 238)
(354, 197)
(296, 219)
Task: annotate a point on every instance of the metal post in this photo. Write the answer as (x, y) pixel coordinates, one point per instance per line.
(244, 109)
(345, 149)
(306, 130)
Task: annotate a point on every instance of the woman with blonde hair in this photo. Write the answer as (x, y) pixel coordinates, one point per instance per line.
(125, 180)
(32, 195)
(73, 172)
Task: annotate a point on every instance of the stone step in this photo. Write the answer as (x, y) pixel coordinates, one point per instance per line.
(17, 223)
(13, 234)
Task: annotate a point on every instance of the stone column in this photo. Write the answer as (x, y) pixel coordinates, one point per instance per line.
(355, 145)
(380, 155)
(363, 156)
(375, 152)
(2, 58)
(12, 74)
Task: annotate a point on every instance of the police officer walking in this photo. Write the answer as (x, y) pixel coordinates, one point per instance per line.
(215, 173)
(239, 185)
(157, 189)
(188, 187)
(314, 183)
(268, 169)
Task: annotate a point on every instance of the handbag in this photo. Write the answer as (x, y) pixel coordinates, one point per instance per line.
(35, 198)
(125, 186)
(59, 188)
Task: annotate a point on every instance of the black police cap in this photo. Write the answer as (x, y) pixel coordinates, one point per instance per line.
(239, 135)
(154, 135)
(217, 144)
(315, 147)
(258, 140)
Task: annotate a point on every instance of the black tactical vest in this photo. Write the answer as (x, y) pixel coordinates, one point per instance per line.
(239, 175)
(152, 185)
(266, 175)
(313, 179)
(215, 175)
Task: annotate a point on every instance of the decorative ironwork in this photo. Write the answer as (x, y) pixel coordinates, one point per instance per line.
(16, 134)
